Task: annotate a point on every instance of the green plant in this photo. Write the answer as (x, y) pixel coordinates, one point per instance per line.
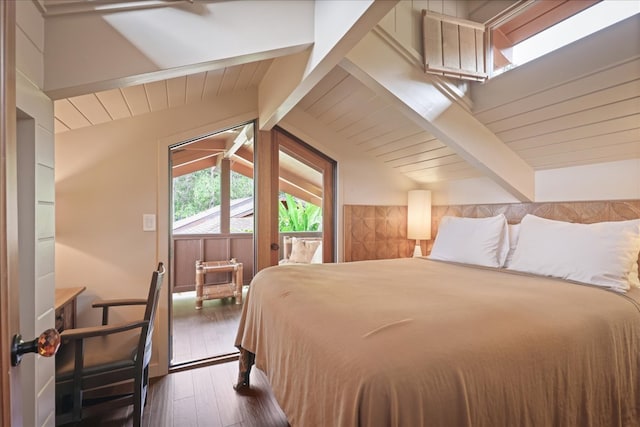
(296, 215)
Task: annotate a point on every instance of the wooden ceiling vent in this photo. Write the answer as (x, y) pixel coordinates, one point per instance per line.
(453, 47)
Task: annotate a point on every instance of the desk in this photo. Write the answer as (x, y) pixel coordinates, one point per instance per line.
(222, 290)
(65, 306)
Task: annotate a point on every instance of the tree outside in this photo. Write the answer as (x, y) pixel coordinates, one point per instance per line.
(200, 190)
(298, 215)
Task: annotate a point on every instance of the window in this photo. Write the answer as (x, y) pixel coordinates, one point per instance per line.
(213, 183)
(545, 26)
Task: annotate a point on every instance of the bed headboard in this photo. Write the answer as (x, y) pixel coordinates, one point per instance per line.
(373, 232)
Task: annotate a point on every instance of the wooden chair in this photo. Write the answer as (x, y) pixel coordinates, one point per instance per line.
(93, 362)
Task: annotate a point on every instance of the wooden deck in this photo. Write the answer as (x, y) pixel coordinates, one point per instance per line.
(205, 333)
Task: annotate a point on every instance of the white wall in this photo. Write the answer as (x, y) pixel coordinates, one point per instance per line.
(36, 213)
(601, 181)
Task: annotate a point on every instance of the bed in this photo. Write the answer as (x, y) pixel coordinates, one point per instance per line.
(417, 342)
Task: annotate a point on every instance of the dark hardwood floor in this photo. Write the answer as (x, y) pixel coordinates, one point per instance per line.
(202, 397)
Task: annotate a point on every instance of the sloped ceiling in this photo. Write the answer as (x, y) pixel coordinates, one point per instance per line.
(561, 113)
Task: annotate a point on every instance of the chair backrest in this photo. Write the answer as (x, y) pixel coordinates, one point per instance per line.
(150, 312)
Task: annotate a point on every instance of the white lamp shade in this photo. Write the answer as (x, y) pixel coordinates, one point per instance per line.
(419, 215)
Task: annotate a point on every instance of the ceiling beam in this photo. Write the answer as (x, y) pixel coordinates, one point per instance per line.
(418, 97)
(191, 167)
(244, 136)
(302, 189)
(242, 163)
(338, 26)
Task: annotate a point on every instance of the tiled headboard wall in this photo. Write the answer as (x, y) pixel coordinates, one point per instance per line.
(375, 232)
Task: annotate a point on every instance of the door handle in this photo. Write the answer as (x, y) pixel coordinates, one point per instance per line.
(45, 345)
(275, 246)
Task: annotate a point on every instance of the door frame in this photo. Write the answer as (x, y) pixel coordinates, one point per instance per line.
(315, 159)
(10, 401)
(266, 165)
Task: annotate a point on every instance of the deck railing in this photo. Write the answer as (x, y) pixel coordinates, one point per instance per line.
(188, 248)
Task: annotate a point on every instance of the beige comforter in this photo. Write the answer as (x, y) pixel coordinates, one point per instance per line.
(414, 342)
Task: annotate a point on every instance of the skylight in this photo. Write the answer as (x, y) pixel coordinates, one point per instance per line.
(589, 21)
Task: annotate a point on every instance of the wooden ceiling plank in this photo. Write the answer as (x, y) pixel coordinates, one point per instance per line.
(412, 151)
(385, 130)
(577, 133)
(68, 114)
(115, 104)
(612, 140)
(333, 78)
(261, 70)
(573, 120)
(212, 83)
(91, 107)
(290, 78)
(363, 110)
(230, 79)
(629, 150)
(195, 87)
(59, 127)
(358, 98)
(157, 95)
(438, 156)
(414, 94)
(177, 91)
(397, 140)
(386, 127)
(331, 98)
(136, 99)
(617, 74)
(592, 100)
(369, 122)
(402, 144)
(245, 77)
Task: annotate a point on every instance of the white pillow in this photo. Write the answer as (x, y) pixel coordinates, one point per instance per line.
(601, 254)
(480, 241)
(317, 255)
(302, 250)
(513, 231)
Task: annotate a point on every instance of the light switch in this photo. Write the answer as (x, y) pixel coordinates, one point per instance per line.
(148, 222)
